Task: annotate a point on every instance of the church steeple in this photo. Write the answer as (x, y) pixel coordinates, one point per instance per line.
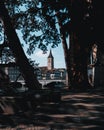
(50, 54)
(50, 61)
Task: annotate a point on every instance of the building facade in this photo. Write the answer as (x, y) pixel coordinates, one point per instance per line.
(49, 72)
(43, 73)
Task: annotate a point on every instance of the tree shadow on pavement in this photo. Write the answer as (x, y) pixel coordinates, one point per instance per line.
(75, 111)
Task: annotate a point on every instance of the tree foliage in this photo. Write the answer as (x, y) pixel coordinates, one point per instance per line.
(47, 22)
(38, 21)
(27, 17)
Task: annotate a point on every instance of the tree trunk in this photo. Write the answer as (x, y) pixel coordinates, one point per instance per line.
(79, 42)
(21, 60)
(67, 51)
(80, 60)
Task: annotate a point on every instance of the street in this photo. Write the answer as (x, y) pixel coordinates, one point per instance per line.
(76, 111)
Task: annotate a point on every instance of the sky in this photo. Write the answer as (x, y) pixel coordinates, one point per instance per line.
(57, 53)
(41, 58)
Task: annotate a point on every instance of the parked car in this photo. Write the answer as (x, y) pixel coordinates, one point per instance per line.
(54, 85)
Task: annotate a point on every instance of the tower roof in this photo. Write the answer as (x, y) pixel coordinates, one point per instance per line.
(50, 54)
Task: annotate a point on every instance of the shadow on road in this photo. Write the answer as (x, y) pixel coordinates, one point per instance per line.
(76, 111)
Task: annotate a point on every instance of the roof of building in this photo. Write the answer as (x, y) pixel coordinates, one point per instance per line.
(50, 54)
(44, 69)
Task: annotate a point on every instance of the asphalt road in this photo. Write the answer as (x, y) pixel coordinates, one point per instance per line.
(76, 111)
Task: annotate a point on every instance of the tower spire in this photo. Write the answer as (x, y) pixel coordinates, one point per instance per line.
(50, 54)
(50, 61)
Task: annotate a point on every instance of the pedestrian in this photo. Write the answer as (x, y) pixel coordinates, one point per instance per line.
(92, 64)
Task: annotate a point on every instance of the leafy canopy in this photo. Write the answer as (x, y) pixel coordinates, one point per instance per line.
(27, 16)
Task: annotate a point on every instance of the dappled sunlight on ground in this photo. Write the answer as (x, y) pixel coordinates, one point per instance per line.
(75, 111)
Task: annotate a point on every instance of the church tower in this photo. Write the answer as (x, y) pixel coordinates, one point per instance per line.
(50, 61)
